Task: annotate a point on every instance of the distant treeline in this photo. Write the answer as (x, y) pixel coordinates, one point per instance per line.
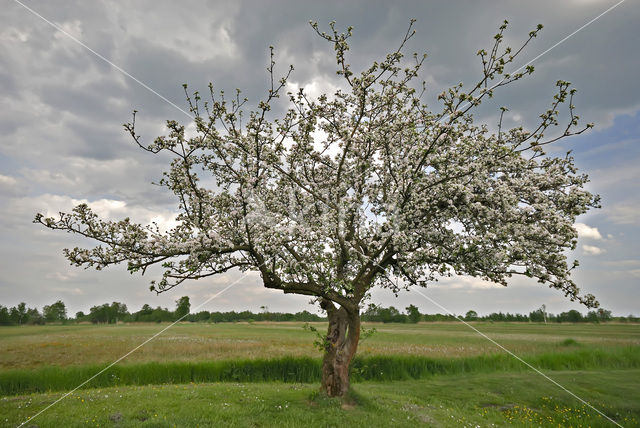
(111, 313)
(377, 313)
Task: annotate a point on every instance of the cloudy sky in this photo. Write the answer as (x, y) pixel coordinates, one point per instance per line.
(62, 110)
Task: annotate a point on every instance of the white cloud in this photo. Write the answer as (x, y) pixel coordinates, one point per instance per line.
(109, 209)
(316, 86)
(165, 222)
(592, 250)
(12, 34)
(117, 210)
(466, 282)
(7, 183)
(587, 232)
(73, 28)
(62, 276)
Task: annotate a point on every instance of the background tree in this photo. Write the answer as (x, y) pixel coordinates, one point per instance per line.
(537, 315)
(391, 314)
(604, 314)
(18, 313)
(99, 314)
(108, 313)
(592, 316)
(55, 312)
(471, 315)
(265, 311)
(144, 312)
(569, 316)
(394, 194)
(34, 317)
(182, 307)
(200, 316)
(372, 313)
(160, 314)
(5, 318)
(118, 311)
(413, 314)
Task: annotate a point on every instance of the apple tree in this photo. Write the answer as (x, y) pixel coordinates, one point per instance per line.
(351, 190)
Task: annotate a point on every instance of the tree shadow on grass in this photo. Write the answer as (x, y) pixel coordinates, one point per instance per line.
(353, 399)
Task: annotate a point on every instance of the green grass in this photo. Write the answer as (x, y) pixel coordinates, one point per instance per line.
(465, 400)
(29, 347)
(305, 369)
(267, 374)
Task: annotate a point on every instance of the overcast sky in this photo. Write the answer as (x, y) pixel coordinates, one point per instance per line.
(62, 141)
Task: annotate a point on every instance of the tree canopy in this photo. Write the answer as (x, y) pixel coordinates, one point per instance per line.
(55, 312)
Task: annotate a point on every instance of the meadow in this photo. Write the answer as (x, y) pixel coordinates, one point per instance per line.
(267, 374)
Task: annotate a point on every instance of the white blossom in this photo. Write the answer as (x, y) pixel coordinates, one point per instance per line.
(342, 192)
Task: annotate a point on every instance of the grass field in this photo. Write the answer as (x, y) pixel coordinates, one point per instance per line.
(35, 346)
(433, 374)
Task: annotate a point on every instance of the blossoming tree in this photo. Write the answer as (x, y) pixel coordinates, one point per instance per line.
(391, 189)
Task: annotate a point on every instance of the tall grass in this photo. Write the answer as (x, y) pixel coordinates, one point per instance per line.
(304, 369)
(415, 367)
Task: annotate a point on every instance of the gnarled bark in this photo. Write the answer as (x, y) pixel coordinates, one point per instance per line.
(342, 339)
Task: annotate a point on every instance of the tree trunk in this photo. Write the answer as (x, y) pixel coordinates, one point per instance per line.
(340, 347)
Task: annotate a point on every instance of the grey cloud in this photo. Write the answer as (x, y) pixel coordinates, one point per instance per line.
(61, 133)
(99, 96)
